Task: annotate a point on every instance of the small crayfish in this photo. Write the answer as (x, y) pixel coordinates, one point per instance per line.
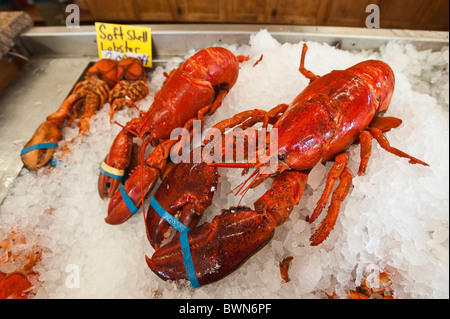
(124, 79)
(333, 112)
(190, 92)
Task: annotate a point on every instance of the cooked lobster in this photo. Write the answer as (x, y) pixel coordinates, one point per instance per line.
(86, 98)
(331, 113)
(194, 89)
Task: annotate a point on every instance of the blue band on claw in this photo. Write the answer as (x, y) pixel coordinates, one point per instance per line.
(184, 241)
(40, 146)
(130, 205)
(43, 146)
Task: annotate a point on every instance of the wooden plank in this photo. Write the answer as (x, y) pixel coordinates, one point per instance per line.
(111, 10)
(304, 12)
(402, 14)
(156, 10)
(249, 11)
(348, 13)
(201, 11)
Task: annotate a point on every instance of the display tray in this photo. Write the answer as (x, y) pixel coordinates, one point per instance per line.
(394, 219)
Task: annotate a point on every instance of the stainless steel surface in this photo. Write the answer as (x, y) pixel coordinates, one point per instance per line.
(58, 56)
(37, 91)
(173, 40)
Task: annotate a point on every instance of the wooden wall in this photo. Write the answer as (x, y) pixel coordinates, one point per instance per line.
(403, 14)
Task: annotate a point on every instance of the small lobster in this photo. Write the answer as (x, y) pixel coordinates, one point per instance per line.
(86, 98)
(194, 89)
(331, 113)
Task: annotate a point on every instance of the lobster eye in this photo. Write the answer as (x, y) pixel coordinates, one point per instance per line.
(282, 156)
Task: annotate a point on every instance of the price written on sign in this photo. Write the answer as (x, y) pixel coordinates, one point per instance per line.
(115, 41)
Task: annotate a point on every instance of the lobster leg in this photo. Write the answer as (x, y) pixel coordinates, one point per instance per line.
(384, 143)
(218, 101)
(365, 138)
(385, 124)
(245, 120)
(273, 113)
(339, 170)
(333, 210)
(249, 118)
(256, 115)
(308, 74)
(339, 164)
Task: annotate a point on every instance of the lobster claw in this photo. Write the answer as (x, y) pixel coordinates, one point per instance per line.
(217, 248)
(47, 132)
(186, 192)
(118, 158)
(140, 182)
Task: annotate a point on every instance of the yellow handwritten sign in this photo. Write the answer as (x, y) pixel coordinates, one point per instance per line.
(117, 41)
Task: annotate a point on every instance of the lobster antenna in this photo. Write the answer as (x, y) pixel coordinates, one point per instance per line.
(126, 128)
(255, 172)
(241, 185)
(258, 170)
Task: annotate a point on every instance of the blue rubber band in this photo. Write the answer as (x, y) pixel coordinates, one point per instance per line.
(57, 162)
(130, 205)
(110, 174)
(168, 217)
(43, 146)
(184, 242)
(187, 259)
(40, 146)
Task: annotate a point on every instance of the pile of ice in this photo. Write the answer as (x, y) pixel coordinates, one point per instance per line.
(395, 218)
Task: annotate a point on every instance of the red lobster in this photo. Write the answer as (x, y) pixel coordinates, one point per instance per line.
(86, 98)
(331, 113)
(196, 88)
